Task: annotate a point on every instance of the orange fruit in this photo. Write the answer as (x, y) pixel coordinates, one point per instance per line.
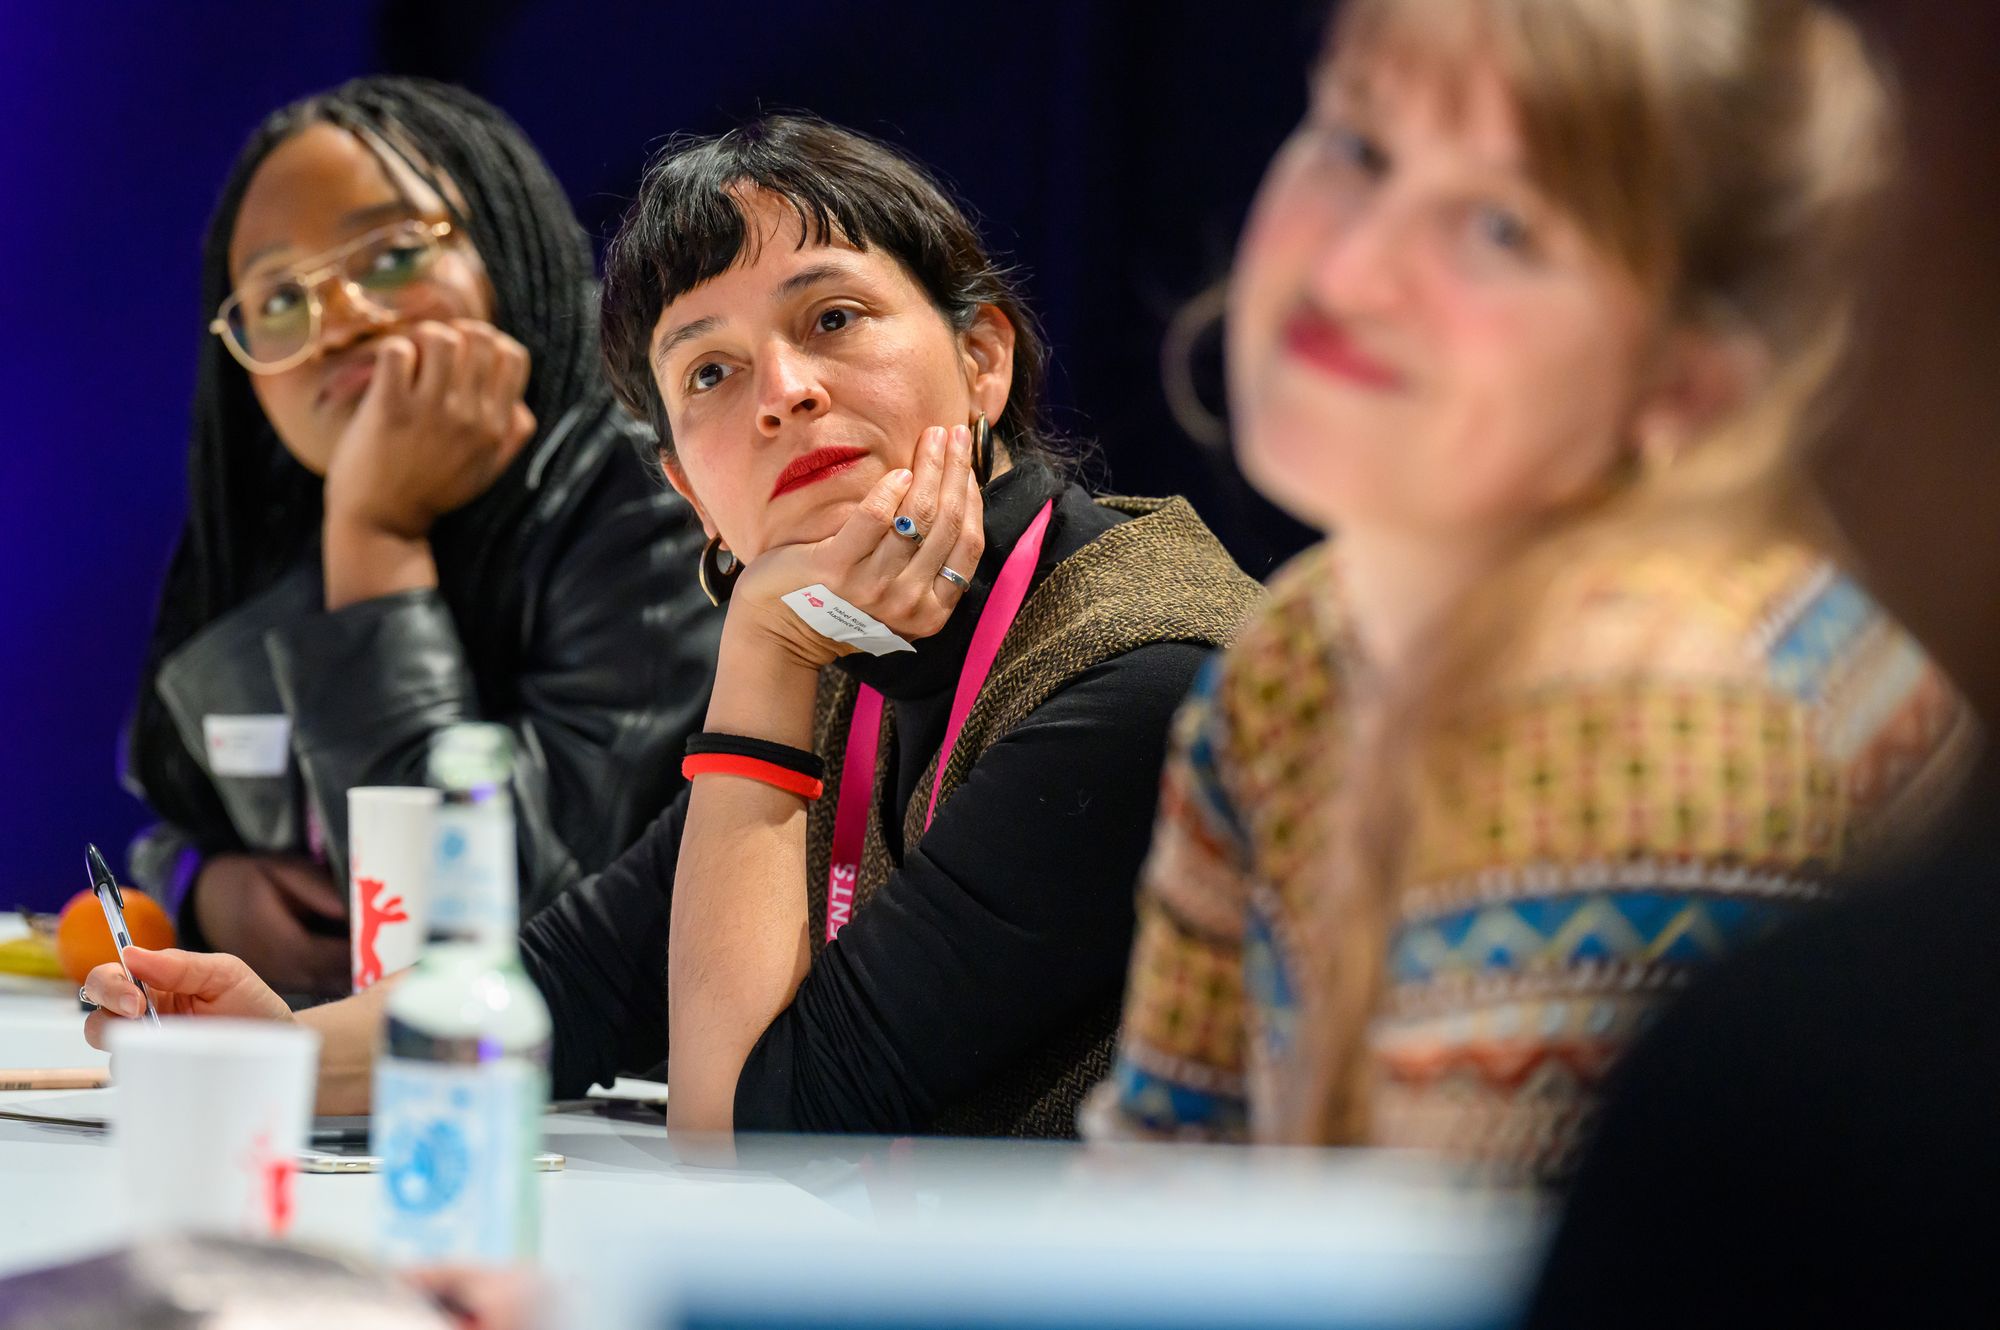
(83, 939)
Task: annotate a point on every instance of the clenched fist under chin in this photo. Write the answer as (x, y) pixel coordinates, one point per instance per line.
(442, 417)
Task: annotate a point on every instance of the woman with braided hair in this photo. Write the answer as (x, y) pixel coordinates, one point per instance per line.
(413, 501)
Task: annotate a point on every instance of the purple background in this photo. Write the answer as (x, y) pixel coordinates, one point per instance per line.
(1110, 147)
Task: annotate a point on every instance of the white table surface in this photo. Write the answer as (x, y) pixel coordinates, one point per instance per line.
(59, 1192)
(627, 1228)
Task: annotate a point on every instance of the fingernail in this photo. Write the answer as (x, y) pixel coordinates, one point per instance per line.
(961, 438)
(900, 476)
(130, 1004)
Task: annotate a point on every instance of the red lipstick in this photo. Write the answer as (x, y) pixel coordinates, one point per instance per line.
(816, 465)
(1325, 345)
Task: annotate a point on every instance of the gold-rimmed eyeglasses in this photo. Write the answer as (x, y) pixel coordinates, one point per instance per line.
(272, 322)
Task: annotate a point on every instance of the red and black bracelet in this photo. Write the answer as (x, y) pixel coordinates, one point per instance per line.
(793, 770)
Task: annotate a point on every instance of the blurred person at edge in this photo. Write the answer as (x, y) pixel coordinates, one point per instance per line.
(1806, 1138)
(1535, 313)
(413, 501)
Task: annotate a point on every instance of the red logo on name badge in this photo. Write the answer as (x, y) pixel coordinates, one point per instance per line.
(815, 601)
(374, 913)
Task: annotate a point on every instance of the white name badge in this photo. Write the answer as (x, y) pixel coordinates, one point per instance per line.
(248, 745)
(831, 617)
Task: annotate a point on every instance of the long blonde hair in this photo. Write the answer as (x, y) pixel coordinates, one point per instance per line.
(1730, 153)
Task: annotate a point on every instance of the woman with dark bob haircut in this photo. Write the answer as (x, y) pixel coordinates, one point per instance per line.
(897, 895)
(412, 502)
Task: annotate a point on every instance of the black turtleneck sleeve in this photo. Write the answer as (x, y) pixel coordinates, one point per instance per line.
(598, 953)
(1013, 911)
(1012, 914)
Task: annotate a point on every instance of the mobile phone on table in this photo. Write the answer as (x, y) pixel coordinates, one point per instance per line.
(356, 1159)
(105, 888)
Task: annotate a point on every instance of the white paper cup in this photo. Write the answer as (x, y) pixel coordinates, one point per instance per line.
(391, 845)
(208, 1122)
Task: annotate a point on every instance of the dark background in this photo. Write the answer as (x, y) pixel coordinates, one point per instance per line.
(1110, 148)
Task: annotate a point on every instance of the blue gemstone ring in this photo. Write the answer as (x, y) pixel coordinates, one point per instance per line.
(907, 527)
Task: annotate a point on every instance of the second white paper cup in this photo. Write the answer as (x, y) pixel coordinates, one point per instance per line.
(209, 1120)
(391, 846)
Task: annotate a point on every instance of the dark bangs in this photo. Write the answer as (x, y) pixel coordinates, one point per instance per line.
(688, 226)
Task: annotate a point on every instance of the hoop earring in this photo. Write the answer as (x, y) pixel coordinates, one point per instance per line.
(716, 570)
(1191, 323)
(982, 450)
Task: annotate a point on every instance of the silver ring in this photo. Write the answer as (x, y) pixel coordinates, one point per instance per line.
(956, 579)
(906, 526)
(83, 996)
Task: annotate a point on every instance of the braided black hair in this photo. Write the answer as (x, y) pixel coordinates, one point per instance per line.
(254, 512)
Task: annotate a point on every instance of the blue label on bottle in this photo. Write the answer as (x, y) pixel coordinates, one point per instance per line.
(474, 886)
(457, 1145)
(426, 1165)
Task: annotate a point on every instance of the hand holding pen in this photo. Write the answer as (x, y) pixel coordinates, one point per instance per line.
(105, 888)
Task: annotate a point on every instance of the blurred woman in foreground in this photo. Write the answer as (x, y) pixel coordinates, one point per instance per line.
(1535, 310)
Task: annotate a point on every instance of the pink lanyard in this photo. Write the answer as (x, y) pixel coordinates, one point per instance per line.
(864, 728)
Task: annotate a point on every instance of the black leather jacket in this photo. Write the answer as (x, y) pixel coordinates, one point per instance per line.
(607, 676)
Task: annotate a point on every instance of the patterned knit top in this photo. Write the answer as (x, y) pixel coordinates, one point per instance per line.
(1680, 767)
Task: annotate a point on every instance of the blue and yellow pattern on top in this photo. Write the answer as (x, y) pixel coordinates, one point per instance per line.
(1682, 768)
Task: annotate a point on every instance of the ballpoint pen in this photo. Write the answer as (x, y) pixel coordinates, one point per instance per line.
(105, 887)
